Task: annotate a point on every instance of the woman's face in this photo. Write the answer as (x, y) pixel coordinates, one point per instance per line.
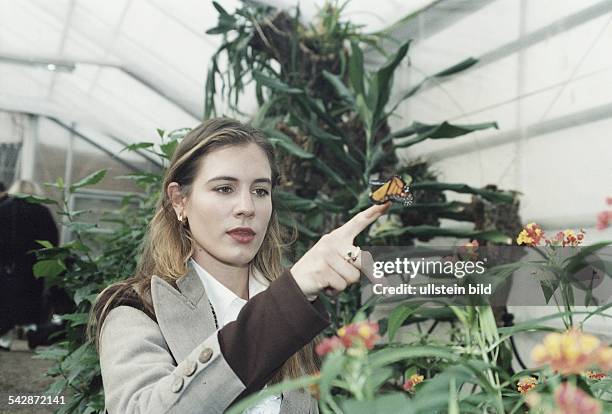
(230, 204)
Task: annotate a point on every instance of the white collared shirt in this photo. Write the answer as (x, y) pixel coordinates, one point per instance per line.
(227, 305)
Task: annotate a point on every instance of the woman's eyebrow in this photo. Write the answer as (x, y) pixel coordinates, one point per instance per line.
(228, 178)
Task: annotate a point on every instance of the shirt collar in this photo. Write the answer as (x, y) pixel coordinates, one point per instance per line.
(222, 298)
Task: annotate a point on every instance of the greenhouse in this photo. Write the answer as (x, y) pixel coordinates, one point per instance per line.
(323, 206)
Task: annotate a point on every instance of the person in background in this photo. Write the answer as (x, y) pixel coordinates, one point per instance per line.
(21, 293)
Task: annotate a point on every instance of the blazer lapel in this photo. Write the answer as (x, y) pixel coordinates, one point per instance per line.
(184, 315)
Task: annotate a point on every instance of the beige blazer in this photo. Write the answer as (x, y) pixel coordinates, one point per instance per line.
(174, 365)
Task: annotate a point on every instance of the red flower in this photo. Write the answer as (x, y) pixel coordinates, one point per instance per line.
(360, 332)
(567, 238)
(364, 332)
(572, 400)
(530, 235)
(603, 220)
(412, 381)
(595, 375)
(328, 345)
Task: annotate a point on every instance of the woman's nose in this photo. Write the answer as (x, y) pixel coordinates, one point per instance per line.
(245, 204)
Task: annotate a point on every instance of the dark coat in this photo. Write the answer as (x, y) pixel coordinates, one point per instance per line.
(21, 293)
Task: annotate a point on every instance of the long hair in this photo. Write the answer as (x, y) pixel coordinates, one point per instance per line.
(168, 244)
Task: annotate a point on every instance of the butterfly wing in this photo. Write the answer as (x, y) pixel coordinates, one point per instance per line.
(379, 196)
(394, 189)
(401, 191)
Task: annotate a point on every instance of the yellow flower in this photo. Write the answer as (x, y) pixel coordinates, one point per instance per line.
(365, 331)
(412, 382)
(525, 384)
(604, 358)
(523, 238)
(530, 235)
(570, 352)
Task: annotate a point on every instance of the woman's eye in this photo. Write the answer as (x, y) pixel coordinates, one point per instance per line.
(262, 192)
(224, 189)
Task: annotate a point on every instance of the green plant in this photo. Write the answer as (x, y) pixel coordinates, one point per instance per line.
(327, 113)
(87, 264)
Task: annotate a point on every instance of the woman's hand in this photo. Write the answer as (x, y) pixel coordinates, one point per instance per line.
(326, 264)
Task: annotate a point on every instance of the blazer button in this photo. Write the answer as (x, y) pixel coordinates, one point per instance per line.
(205, 355)
(177, 385)
(189, 367)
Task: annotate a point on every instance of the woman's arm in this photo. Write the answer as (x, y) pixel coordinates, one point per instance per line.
(271, 327)
(139, 373)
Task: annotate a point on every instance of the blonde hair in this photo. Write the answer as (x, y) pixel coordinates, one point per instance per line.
(25, 187)
(168, 244)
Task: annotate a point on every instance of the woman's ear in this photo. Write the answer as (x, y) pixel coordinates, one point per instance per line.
(176, 198)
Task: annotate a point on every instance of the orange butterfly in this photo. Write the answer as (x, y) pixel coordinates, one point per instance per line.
(394, 189)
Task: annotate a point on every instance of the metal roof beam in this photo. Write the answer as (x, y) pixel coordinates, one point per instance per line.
(557, 27)
(70, 65)
(94, 144)
(53, 113)
(575, 119)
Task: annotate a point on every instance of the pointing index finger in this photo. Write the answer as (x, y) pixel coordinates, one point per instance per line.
(360, 221)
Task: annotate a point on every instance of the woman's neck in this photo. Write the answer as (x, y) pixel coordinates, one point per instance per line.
(232, 277)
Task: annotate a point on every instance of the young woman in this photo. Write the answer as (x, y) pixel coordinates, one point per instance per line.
(211, 315)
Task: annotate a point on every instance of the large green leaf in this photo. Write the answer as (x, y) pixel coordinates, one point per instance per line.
(396, 403)
(76, 318)
(168, 148)
(463, 65)
(293, 202)
(316, 107)
(444, 130)
(275, 84)
(333, 365)
(448, 207)
(382, 81)
(459, 67)
(356, 70)
(398, 317)
(491, 195)
(577, 261)
(92, 179)
(48, 268)
(139, 145)
(34, 199)
(290, 222)
(225, 22)
(388, 356)
(277, 137)
(341, 90)
(494, 236)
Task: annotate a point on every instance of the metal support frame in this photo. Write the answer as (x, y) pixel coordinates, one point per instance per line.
(558, 26)
(27, 158)
(95, 144)
(575, 119)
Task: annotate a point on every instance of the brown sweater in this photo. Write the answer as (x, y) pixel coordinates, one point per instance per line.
(270, 328)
